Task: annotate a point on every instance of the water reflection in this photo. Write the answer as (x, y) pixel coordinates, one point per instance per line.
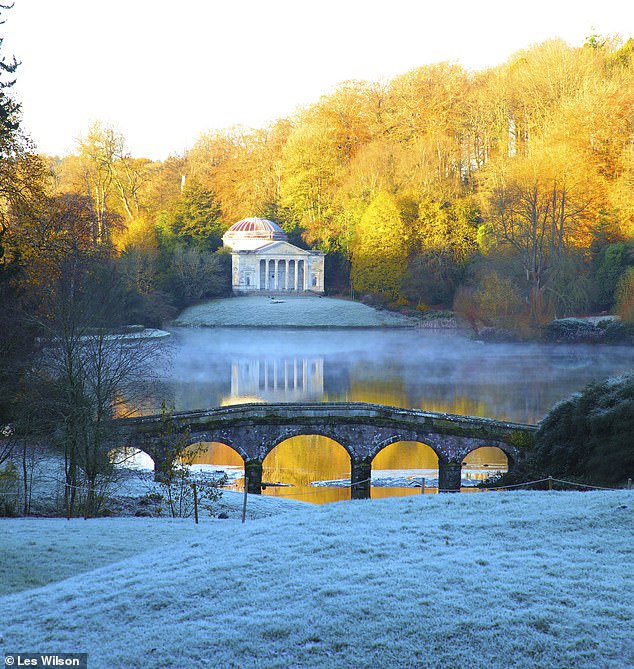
(274, 379)
(435, 371)
(316, 469)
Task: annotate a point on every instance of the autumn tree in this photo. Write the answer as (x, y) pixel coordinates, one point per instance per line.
(22, 182)
(311, 169)
(425, 113)
(113, 180)
(49, 233)
(541, 206)
(379, 249)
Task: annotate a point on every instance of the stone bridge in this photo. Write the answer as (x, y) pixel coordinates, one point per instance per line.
(254, 430)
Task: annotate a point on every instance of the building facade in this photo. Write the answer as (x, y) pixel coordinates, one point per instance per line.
(262, 260)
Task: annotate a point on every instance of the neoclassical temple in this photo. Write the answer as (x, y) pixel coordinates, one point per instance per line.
(263, 260)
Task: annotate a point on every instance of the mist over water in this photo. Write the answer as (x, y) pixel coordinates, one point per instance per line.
(431, 370)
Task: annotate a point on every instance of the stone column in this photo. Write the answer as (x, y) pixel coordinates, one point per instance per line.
(253, 472)
(360, 473)
(449, 476)
(271, 278)
(158, 455)
(161, 464)
(292, 277)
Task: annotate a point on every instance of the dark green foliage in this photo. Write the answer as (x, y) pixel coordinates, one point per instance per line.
(609, 264)
(337, 273)
(17, 338)
(9, 490)
(9, 108)
(432, 278)
(194, 221)
(590, 436)
(617, 332)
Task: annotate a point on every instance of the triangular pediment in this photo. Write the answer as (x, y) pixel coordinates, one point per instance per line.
(281, 248)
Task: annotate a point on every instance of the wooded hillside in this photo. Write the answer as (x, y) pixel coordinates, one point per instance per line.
(505, 193)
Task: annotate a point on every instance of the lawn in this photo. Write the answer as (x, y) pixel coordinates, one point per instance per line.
(523, 579)
(289, 311)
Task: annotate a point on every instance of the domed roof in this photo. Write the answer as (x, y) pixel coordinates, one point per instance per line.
(250, 233)
(260, 228)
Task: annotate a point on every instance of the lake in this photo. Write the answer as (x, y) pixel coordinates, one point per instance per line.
(434, 370)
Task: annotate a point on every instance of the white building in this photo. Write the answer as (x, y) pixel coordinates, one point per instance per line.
(263, 260)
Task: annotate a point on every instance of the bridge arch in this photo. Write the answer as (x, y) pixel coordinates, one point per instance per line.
(129, 455)
(509, 451)
(304, 431)
(211, 438)
(398, 438)
(303, 459)
(484, 461)
(212, 453)
(362, 429)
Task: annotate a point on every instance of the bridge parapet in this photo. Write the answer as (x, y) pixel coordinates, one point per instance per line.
(341, 413)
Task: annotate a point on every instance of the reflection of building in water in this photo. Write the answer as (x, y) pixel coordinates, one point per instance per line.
(278, 379)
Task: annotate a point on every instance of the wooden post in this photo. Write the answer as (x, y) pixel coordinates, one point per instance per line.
(550, 483)
(629, 484)
(244, 503)
(422, 486)
(195, 502)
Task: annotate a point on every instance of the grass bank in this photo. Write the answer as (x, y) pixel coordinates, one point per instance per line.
(289, 311)
(521, 579)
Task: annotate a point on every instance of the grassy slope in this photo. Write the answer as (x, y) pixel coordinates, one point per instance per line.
(490, 580)
(261, 311)
(37, 551)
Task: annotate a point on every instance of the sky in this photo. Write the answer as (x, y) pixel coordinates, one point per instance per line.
(162, 73)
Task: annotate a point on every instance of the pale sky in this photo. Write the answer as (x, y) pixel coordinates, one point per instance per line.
(164, 72)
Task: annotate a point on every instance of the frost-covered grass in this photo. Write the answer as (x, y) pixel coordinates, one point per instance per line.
(487, 580)
(288, 311)
(38, 551)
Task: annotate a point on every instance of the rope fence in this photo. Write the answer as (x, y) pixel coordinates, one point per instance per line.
(550, 480)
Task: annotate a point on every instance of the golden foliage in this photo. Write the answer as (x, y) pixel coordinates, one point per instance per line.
(379, 249)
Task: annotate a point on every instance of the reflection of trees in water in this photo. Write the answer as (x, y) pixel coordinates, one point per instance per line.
(302, 460)
(406, 455)
(431, 371)
(214, 453)
(385, 389)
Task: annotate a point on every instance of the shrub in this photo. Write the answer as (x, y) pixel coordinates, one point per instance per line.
(617, 332)
(625, 296)
(573, 330)
(9, 490)
(588, 437)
